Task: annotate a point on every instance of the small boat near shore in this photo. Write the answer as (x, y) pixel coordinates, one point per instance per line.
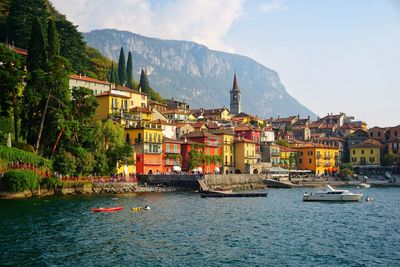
(364, 185)
(107, 209)
(330, 194)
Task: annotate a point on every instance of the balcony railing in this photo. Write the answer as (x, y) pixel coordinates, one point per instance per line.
(148, 141)
(276, 154)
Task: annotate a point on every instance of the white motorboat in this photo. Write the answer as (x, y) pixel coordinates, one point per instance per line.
(330, 194)
(364, 185)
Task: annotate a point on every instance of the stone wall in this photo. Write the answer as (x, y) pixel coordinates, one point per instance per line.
(178, 181)
(235, 181)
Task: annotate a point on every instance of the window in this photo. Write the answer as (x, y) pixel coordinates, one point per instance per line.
(379, 134)
(354, 151)
(353, 159)
(371, 134)
(131, 102)
(395, 133)
(310, 161)
(372, 151)
(300, 161)
(371, 159)
(362, 151)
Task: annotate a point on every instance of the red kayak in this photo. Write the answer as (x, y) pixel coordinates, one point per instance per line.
(110, 209)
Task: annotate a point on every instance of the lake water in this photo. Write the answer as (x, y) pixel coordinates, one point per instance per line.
(183, 229)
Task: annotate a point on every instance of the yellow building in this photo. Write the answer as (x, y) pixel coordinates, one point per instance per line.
(244, 153)
(320, 159)
(288, 158)
(147, 141)
(366, 153)
(110, 104)
(228, 149)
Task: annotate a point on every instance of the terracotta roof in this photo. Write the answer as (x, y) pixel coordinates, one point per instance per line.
(243, 140)
(107, 93)
(247, 128)
(87, 79)
(287, 149)
(198, 124)
(288, 119)
(169, 140)
(223, 131)
(308, 145)
(369, 143)
(179, 125)
(152, 102)
(214, 111)
(175, 111)
(20, 51)
(200, 134)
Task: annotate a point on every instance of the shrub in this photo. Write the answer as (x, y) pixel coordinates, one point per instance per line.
(50, 182)
(23, 146)
(11, 154)
(20, 180)
(65, 163)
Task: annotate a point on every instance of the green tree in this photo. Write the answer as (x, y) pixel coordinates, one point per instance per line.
(53, 47)
(282, 142)
(144, 82)
(11, 85)
(65, 163)
(122, 67)
(99, 64)
(21, 19)
(37, 56)
(72, 46)
(113, 74)
(129, 70)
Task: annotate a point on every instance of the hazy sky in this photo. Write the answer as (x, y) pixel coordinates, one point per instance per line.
(333, 56)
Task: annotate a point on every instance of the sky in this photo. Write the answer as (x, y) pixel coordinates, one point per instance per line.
(332, 56)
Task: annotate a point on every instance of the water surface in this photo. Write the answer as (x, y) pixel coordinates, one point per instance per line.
(183, 229)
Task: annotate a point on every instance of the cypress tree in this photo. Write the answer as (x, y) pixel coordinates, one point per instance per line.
(122, 67)
(144, 82)
(20, 20)
(53, 48)
(37, 56)
(111, 77)
(129, 70)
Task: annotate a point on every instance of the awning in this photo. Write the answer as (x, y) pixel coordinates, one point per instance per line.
(176, 168)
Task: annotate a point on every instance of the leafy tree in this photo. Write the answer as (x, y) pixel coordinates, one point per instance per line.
(11, 78)
(282, 142)
(122, 67)
(99, 64)
(72, 46)
(129, 70)
(53, 47)
(65, 163)
(21, 19)
(37, 56)
(388, 159)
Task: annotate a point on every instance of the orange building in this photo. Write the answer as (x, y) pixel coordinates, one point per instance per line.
(172, 159)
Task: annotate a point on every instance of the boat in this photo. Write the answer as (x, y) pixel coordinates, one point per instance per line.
(140, 208)
(109, 209)
(330, 194)
(364, 185)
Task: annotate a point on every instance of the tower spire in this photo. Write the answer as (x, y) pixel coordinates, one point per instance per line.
(235, 86)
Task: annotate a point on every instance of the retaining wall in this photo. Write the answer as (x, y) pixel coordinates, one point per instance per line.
(235, 181)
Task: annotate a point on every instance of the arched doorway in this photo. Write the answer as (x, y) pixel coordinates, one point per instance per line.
(255, 171)
(237, 171)
(150, 172)
(226, 171)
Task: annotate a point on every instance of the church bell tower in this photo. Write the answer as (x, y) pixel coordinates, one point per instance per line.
(235, 97)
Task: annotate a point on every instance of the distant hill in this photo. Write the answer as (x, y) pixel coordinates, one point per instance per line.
(202, 77)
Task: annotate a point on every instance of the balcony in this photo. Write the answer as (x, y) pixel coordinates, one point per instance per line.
(276, 154)
(148, 141)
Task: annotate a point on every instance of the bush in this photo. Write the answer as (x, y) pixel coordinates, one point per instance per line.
(345, 174)
(65, 163)
(11, 154)
(20, 180)
(23, 146)
(50, 182)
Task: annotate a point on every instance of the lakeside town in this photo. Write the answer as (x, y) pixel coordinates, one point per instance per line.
(173, 138)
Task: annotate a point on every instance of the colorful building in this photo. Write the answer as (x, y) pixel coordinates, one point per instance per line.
(228, 149)
(97, 86)
(147, 140)
(317, 158)
(288, 158)
(245, 154)
(110, 104)
(366, 153)
(172, 158)
(206, 155)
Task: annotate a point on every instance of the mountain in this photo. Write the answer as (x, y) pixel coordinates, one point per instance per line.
(202, 77)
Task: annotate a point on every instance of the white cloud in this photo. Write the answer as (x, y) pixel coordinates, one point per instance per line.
(202, 21)
(272, 6)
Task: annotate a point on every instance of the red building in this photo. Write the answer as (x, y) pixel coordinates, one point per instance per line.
(206, 156)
